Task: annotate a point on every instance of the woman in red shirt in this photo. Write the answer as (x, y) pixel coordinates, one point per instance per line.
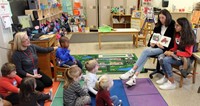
(9, 83)
(183, 47)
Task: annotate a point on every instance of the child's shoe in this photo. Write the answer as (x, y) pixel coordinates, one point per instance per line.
(120, 103)
(51, 94)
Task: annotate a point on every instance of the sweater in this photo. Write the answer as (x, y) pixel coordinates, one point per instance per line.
(71, 93)
(33, 99)
(63, 54)
(27, 60)
(90, 81)
(9, 85)
(103, 98)
(169, 33)
(187, 52)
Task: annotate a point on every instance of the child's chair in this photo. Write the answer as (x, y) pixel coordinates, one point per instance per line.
(58, 71)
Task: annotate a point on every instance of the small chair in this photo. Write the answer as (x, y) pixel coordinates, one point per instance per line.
(194, 63)
(148, 29)
(192, 74)
(58, 71)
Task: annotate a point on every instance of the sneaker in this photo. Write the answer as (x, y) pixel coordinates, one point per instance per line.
(51, 94)
(120, 103)
(168, 85)
(161, 81)
(66, 66)
(131, 82)
(126, 75)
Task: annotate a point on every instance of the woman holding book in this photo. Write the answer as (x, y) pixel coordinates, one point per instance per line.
(183, 47)
(165, 27)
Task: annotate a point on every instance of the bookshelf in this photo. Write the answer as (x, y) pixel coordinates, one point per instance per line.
(47, 14)
(120, 21)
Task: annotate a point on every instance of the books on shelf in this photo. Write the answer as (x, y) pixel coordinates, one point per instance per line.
(163, 40)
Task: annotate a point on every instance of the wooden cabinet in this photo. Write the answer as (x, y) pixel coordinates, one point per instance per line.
(92, 13)
(104, 12)
(121, 21)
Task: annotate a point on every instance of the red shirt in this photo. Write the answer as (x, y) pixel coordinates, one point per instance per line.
(188, 48)
(103, 98)
(9, 85)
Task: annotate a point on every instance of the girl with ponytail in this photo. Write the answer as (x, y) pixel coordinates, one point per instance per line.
(74, 94)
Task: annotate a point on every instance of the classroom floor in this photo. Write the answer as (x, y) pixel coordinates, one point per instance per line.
(185, 96)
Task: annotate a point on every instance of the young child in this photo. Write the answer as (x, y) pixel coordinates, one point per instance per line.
(28, 96)
(91, 77)
(9, 83)
(63, 54)
(4, 102)
(74, 94)
(103, 96)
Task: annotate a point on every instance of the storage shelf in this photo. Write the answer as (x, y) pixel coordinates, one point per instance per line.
(126, 19)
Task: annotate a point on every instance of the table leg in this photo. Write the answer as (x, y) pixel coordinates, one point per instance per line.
(99, 36)
(136, 38)
(133, 39)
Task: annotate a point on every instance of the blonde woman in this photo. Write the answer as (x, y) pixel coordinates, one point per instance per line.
(26, 60)
(73, 93)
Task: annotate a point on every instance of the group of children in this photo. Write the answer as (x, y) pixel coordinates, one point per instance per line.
(76, 95)
(17, 91)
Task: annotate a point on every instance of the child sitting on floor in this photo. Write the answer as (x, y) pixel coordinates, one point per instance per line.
(103, 96)
(9, 83)
(28, 96)
(74, 94)
(91, 77)
(63, 54)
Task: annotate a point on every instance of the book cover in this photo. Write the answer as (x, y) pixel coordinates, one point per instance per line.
(163, 40)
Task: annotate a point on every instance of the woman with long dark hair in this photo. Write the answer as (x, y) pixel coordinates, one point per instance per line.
(164, 27)
(183, 47)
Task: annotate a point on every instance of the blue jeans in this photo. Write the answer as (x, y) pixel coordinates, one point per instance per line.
(168, 61)
(115, 100)
(145, 55)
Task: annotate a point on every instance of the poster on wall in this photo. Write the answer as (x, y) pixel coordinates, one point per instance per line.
(5, 8)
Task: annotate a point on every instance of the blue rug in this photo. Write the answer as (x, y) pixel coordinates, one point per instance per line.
(117, 89)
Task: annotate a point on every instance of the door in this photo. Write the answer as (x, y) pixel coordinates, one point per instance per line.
(92, 13)
(104, 12)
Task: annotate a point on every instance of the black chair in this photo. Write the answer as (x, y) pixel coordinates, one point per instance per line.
(155, 71)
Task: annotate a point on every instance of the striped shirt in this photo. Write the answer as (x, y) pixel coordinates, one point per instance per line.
(73, 91)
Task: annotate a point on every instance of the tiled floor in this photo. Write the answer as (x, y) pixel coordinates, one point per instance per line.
(185, 96)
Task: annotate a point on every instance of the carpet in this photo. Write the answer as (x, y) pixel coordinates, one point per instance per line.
(93, 37)
(143, 94)
(110, 63)
(58, 98)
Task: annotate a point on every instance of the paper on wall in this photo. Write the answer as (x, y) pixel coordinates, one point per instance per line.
(7, 21)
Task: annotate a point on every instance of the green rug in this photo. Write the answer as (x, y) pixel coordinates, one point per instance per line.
(110, 63)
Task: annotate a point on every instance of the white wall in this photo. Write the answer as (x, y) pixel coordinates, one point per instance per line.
(187, 4)
(5, 37)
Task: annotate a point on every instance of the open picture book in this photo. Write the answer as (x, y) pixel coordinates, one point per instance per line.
(163, 40)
